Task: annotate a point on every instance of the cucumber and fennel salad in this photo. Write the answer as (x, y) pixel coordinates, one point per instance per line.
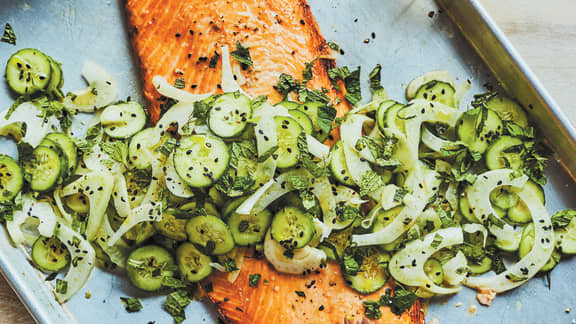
(416, 192)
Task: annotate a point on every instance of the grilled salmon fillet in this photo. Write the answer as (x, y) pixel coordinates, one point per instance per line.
(183, 39)
(321, 297)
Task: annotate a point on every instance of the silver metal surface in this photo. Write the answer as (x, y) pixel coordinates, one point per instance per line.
(407, 43)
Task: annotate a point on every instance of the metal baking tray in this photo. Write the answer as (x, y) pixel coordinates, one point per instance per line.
(411, 37)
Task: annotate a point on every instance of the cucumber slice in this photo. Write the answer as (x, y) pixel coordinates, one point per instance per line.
(56, 79)
(148, 265)
(231, 205)
(373, 273)
(287, 130)
(249, 229)
(209, 207)
(78, 203)
(503, 198)
(201, 160)
(526, 244)
(229, 114)
(477, 269)
(193, 264)
(288, 104)
(439, 91)
(63, 160)
(303, 120)
(466, 209)
(140, 233)
(508, 110)
(335, 244)
(434, 271)
(520, 213)
(467, 125)
(123, 120)
(68, 148)
(567, 240)
(141, 148)
(390, 120)
(338, 165)
(171, 226)
(505, 152)
(49, 254)
(416, 83)
(45, 170)
(28, 71)
(292, 228)
(210, 234)
(11, 178)
(311, 109)
(381, 113)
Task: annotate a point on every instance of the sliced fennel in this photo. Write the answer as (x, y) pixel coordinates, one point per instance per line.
(101, 90)
(407, 266)
(169, 91)
(98, 187)
(147, 212)
(455, 269)
(415, 84)
(82, 258)
(32, 209)
(27, 113)
(519, 272)
(304, 260)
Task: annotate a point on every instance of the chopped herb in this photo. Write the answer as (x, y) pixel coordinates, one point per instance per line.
(436, 241)
(372, 309)
(351, 82)
(326, 115)
(9, 36)
(242, 54)
(399, 195)
(299, 182)
(61, 286)
(131, 304)
(286, 84)
(346, 212)
(370, 182)
(258, 101)
(117, 150)
(172, 282)
(307, 73)
(254, 280)
(315, 169)
(402, 300)
(230, 265)
(562, 218)
(375, 78)
(333, 46)
(175, 304)
(201, 109)
(179, 83)
(167, 147)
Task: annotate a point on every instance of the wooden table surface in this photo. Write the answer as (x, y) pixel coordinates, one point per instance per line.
(544, 32)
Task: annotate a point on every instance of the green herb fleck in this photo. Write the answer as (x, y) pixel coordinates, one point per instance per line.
(179, 83)
(242, 54)
(131, 304)
(254, 280)
(61, 286)
(9, 36)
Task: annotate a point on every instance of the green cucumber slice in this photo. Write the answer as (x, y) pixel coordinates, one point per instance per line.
(148, 265)
(505, 152)
(201, 160)
(439, 91)
(11, 178)
(193, 264)
(68, 148)
(484, 266)
(45, 170)
(249, 229)
(434, 271)
(49, 254)
(373, 273)
(229, 114)
(123, 120)
(338, 165)
(171, 226)
(210, 234)
(508, 110)
(471, 121)
(303, 120)
(287, 130)
(28, 71)
(292, 228)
